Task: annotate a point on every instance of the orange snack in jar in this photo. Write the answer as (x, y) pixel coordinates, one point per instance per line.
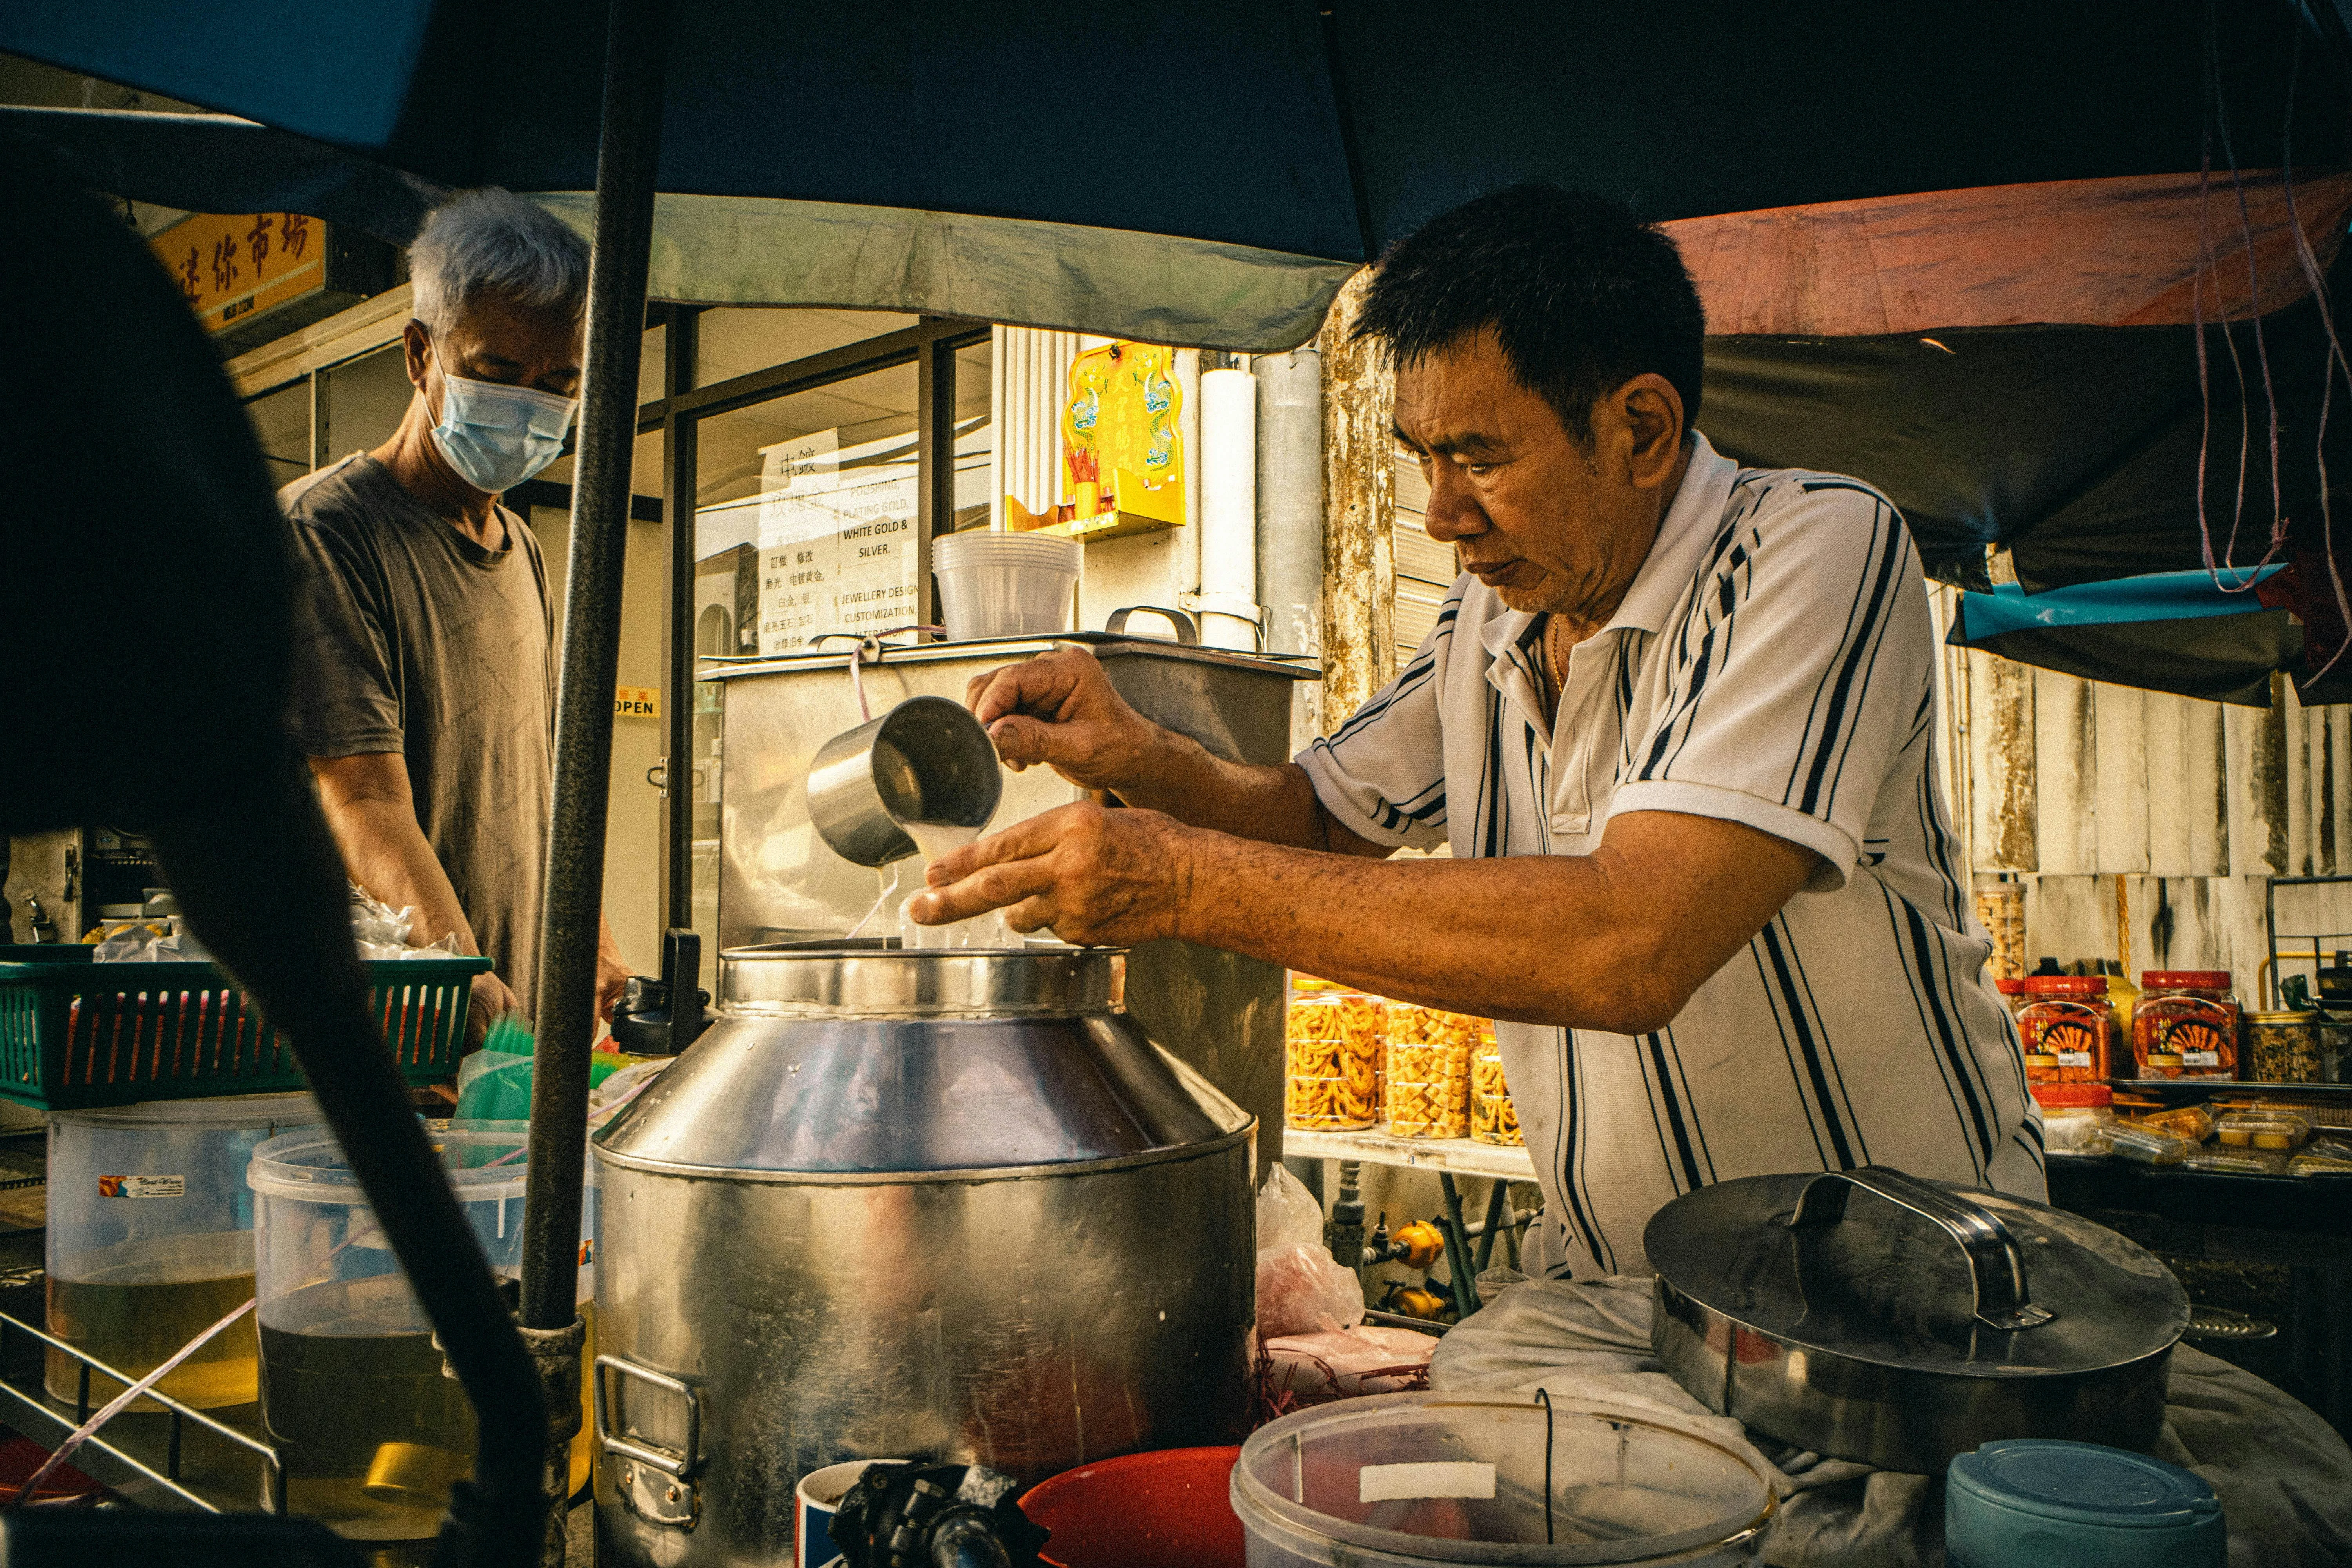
(2184, 1025)
(1493, 1117)
(1427, 1090)
(2065, 1025)
(1331, 1041)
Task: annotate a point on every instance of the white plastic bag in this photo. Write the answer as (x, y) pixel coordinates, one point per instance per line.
(1287, 1213)
(1345, 1363)
(1301, 1289)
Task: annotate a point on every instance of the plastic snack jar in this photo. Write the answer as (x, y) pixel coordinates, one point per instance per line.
(2065, 1025)
(2184, 1025)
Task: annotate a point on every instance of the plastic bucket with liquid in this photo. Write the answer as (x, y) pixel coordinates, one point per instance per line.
(151, 1241)
(352, 1394)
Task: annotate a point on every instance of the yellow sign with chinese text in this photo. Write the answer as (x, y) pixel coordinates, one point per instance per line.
(636, 702)
(230, 267)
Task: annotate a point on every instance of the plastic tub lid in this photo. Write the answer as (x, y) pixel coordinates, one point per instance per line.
(2035, 1499)
(2009, 987)
(482, 1164)
(2185, 979)
(228, 1111)
(2073, 1096)
(1347, 1482)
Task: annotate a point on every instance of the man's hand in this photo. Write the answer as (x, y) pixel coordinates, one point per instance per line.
(1059, 708)
(611, 972)
(1092, 876)
(493, 999)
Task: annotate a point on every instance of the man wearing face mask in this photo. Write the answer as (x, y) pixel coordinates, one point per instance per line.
(425, 683)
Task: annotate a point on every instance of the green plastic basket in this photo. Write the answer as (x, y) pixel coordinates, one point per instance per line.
(75, 1034)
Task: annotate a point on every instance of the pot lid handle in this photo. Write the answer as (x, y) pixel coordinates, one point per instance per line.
(1996, 1266)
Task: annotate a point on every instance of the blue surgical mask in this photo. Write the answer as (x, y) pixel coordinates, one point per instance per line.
(496, 437)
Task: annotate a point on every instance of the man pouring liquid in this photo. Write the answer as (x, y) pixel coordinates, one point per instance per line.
(1677, 723)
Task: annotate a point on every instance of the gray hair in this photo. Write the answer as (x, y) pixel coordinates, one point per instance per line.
(493, 239)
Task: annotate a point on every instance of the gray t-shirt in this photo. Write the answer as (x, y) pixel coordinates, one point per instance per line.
(409, 636)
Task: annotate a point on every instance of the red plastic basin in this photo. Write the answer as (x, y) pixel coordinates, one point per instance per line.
(1164, 1509)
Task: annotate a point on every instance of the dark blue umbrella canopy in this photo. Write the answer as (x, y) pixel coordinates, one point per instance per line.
(1268, 146)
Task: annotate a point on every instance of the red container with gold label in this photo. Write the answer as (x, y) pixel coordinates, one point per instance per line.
(2065, 1024)
(2184, 1025)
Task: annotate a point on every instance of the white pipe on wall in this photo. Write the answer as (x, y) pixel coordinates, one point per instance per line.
(1227, 474)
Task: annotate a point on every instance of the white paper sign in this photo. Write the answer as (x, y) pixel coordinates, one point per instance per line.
(836, 546)
(1391, 1483)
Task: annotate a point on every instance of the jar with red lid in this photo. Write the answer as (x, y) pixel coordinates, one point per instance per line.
(2065, 1025)
(2076, 1116)
(2184, 1025)
(2013, 993)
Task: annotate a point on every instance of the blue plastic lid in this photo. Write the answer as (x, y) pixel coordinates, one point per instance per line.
(2023, 1500)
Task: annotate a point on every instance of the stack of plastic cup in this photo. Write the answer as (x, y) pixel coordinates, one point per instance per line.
(996, 584)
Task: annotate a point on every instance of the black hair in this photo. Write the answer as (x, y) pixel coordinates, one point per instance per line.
(1580, 295)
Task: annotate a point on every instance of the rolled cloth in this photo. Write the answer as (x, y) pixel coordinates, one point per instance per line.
(2284, 1476)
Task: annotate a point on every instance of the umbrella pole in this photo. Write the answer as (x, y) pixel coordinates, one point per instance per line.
(627, 151)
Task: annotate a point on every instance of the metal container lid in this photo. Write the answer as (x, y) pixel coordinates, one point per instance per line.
(2008, 1289)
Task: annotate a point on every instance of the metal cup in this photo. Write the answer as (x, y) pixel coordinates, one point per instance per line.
(926, 760)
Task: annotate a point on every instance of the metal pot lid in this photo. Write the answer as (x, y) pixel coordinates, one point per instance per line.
(1895, 1271)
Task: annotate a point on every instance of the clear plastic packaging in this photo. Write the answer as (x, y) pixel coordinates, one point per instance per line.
(1331, 1041)
(2237, 1162)
(2147, 1146)
(2273, 1130)
(1426, 1093)
(2193, 1122)
(2322, 1157)
(2075, 1117)
(2184, 1025)
(1493, 1117)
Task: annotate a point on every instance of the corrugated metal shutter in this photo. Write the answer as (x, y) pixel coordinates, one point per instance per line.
(1425, 568)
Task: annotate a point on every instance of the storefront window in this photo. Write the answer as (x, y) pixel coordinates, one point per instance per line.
(975, 435)
(806, 510)
(363, 402)
(733, 340)
(282, 421)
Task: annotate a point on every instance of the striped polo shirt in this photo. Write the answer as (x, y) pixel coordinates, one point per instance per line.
(1772, 663)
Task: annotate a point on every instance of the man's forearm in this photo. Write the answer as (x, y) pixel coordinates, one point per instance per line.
(1617, 939)
(387, 854)
(1464, 935)
(1270, 804)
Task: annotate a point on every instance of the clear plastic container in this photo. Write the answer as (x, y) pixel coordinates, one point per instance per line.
(1493, 1117)
(2147, 1146)
(2237, 1162)
(2193, 1122)
(151, 1241)
(2066, 1027)
(1426, 1086)
(2075, 1117)
(995, 584)
(2273, 1130)
(1331, 1047)
(1404, 1479)
(2184, 1025)
(2284, 1048)
(352, 1391)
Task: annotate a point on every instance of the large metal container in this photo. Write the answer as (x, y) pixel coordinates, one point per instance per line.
(929, 1204)
(778, 880)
